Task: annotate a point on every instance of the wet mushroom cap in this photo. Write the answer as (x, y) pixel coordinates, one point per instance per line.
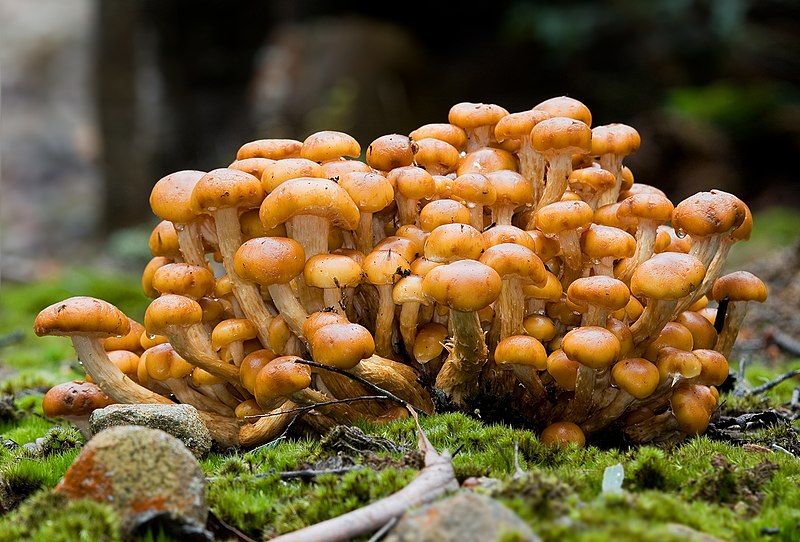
(82, 316)
(563, 433)
(390, 151)
(269, 260)
(739, 286)
(342, 345)
(171, 310)
(517, 125)
(448, 133)
(708, 213)
(329, 145)
(289, 168)
(450, 242)
(331, 271)
(561, 134)
(515, 261)
(636, 376)
(76, 398)
(184, 279)
(606, 292)
(669, 275)
(279, 379)
(563, 215)
(273, 149)
(309, 196)
(564, 106)
(592, 346)
(171, 197)
(129, 341)
(371, 192)
(224, 187)
(465, 285)
(469, 115)
(619, 139)
(521, 350)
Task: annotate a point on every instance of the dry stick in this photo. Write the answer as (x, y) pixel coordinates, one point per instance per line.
(433, 481)
(774, 382)
(306, 408)
(383, 531)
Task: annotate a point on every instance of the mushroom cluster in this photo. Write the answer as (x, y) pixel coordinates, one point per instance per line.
(503, 259)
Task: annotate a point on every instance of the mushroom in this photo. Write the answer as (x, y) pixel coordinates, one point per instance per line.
(637, 379)
(525, 356)
(564, 220)
(738, 288)
(650, 211)
(558, 138)
(371, 192)
(596, 349)
(563, 370)
(75, 401)
(435, 156)
(531, 161)
(600, 295)
(692, 406)
(272, 149)
(332, 273)
(129, 342)
(478, 121)
(485, 161)
(590, 183)
(603, 245)
(164, 241)
(475, 191)
(383, 268)
(612, 143)
(412, 184)
(390, 151)
(564, 106)
(512, 191)
(408, 293)
(229, 335)
(443, 211)
(287, 169)
(171, 199)
(448, 133)
(563, 434)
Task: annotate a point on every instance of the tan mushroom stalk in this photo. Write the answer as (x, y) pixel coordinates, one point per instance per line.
(273, 262)
(383, 268)
(171, 199)
(407, 293)
(612, 143)
(717, 265)
(739, 288)
(372, 193)
(75, 401)
(465, 287)
(478, 121)
(332, 273)
(558, 138)
(216, 388)
(531, 162)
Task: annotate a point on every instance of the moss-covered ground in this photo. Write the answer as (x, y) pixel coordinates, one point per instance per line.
(746, 491)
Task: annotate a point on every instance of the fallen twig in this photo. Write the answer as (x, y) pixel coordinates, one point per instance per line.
(794, 404)
(383, 531)
(306, 408)
(774, 382)
(433, 481)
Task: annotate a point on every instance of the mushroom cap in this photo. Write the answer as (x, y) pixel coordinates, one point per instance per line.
(545, 247)
(561, 135)
(601, 291)
(385, 266)
(562, 216)
(232, 330)
(409, 290)
(672, 361)
(592, 346)
(619, 139)
(636, 376)
(289, 168)
(412, 182)
(171, 310)
(563, 370)
(410, 249)
(247, 408)
(319, 319)
(164, 363)
(129, 341)
(708, 213)
(223, 188)
(269, 260)
(470, 115)
(76, 398)
(252, 365)
(435, 154)
(607, 242)
(518, 125)
(473, 188)
(125, 360)
(669, 275)
(564, 106)
(674, 335)
(652, 207)
(640, 188)
(521, 350)
(171, 197)
(252, 227)
(515, 261)
(84, 316)
(503, 233)
(332, 271)
(309, 196)
(342, 345)
(164, 240)
(539, 327)
(253, 166)
(279, 379)
(429, 342)
(485, 161)
(448, 133)
(184, 279)
(591, 180)
(371, 192)
(551, 291)
(422, 265)
(465, 285)
(450, 242)
(692, 405)
(390, 151)
(149, 272)
(335, 169)
(742, 233)
(511, 188)
(713, 367)
(442, 211)
(739, 286)
(623, 333)
(201, 377)
(563, 434)
(703, 333)
(274, 149)
(329, 145)
(607, 216)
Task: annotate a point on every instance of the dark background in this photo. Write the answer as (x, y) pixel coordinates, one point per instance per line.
(712, 86)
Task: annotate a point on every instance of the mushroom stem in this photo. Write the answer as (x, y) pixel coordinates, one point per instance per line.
(188, 395)
(341, 412)
(502, 214)
(531, 166)
(571, 249)
(559, 166)
(475, 215)
(660, 427)
(584, 393)
(530, 380)
(645, 243)
(409, 316)
(383, 321)
(246, 293)
(194, 345)
(332, 297)
(479, 137)
(647, 327)
(595, 315)
(267, 428)
(604, 266)
(613, 163)
(406, 210)
(191, 243)
(734, 318)
(610, 413)
(396, 378)
(511, 307)
(364, 241)
(290, 308)
(311, 232)
(468, 354)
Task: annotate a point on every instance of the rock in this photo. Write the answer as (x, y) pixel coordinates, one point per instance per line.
(142, 473)
(181, 421)
(690, 535)
(464, 517)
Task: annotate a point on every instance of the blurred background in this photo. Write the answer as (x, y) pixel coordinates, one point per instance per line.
(102, 98)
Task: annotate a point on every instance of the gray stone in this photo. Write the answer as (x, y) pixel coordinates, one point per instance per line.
(181, 421)
(141, 473)
(464, 517)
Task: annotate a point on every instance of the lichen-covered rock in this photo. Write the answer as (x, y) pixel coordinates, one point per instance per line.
(464, 517)
(140, 472)
(181, 421)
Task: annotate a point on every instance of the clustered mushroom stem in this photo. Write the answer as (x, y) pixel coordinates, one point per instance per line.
(191, 243)
(571, 249)
(267, 428)
(531, 166)
(556, 181)
(108, 377)
(530, 380)
(188, 395)
(475, 216)
(479, 137)
(656, 427)
(364, 233)
(409, 315)
(734, 318)
(647, 327)
(594, 316)
(511, 307)
(584, 393)
(613, 163)
(246, 293)
(332, 297)
(290, 308)
(604, 266)
(715, 268)
(610, 413)
(468, 354)
(502, 214)
(645, 241)
(383, 321)
(406, 210)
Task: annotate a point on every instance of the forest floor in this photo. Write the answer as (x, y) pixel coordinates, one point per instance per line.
(741, 481)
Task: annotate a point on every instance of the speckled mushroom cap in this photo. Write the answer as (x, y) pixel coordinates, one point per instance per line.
(448, 133)
(669, 275)
(171, 197)
(521, 350)
(269, 260)
(342, 345)
(371, 192)
(129, 341)
(563, 215)
(470, 115)
(450, 242)
(308, 196)
(593, 179)
(76, 398)
(390, 151)
(317, 320)
(636, 376)
(485, 161)
(703, 333)
(163, 363)
(274, 149)
(409, 290)
(473, 188)
(412, 182)
(503, 233)
(511, 188)
(149, 272)
(82, 316)
(563, 370)
(289, 168)
(551, 291)
(252, 365)
(442, 211)
(279, 379)
(654, 207)
(739, 286)
(436, 155)
(329, 145)
(619, 139)
(606, 292)
(564, 106)
(184, 279)
(465, 285)
(517, 125)
(164, 240)
(335, 169)
(511, 260)
(708, 213)
(385, 266)
(171, 310)
(223, 188)
(332, 271)
(561, 134)
(592, 346)
(607, 242)
(253, 166)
